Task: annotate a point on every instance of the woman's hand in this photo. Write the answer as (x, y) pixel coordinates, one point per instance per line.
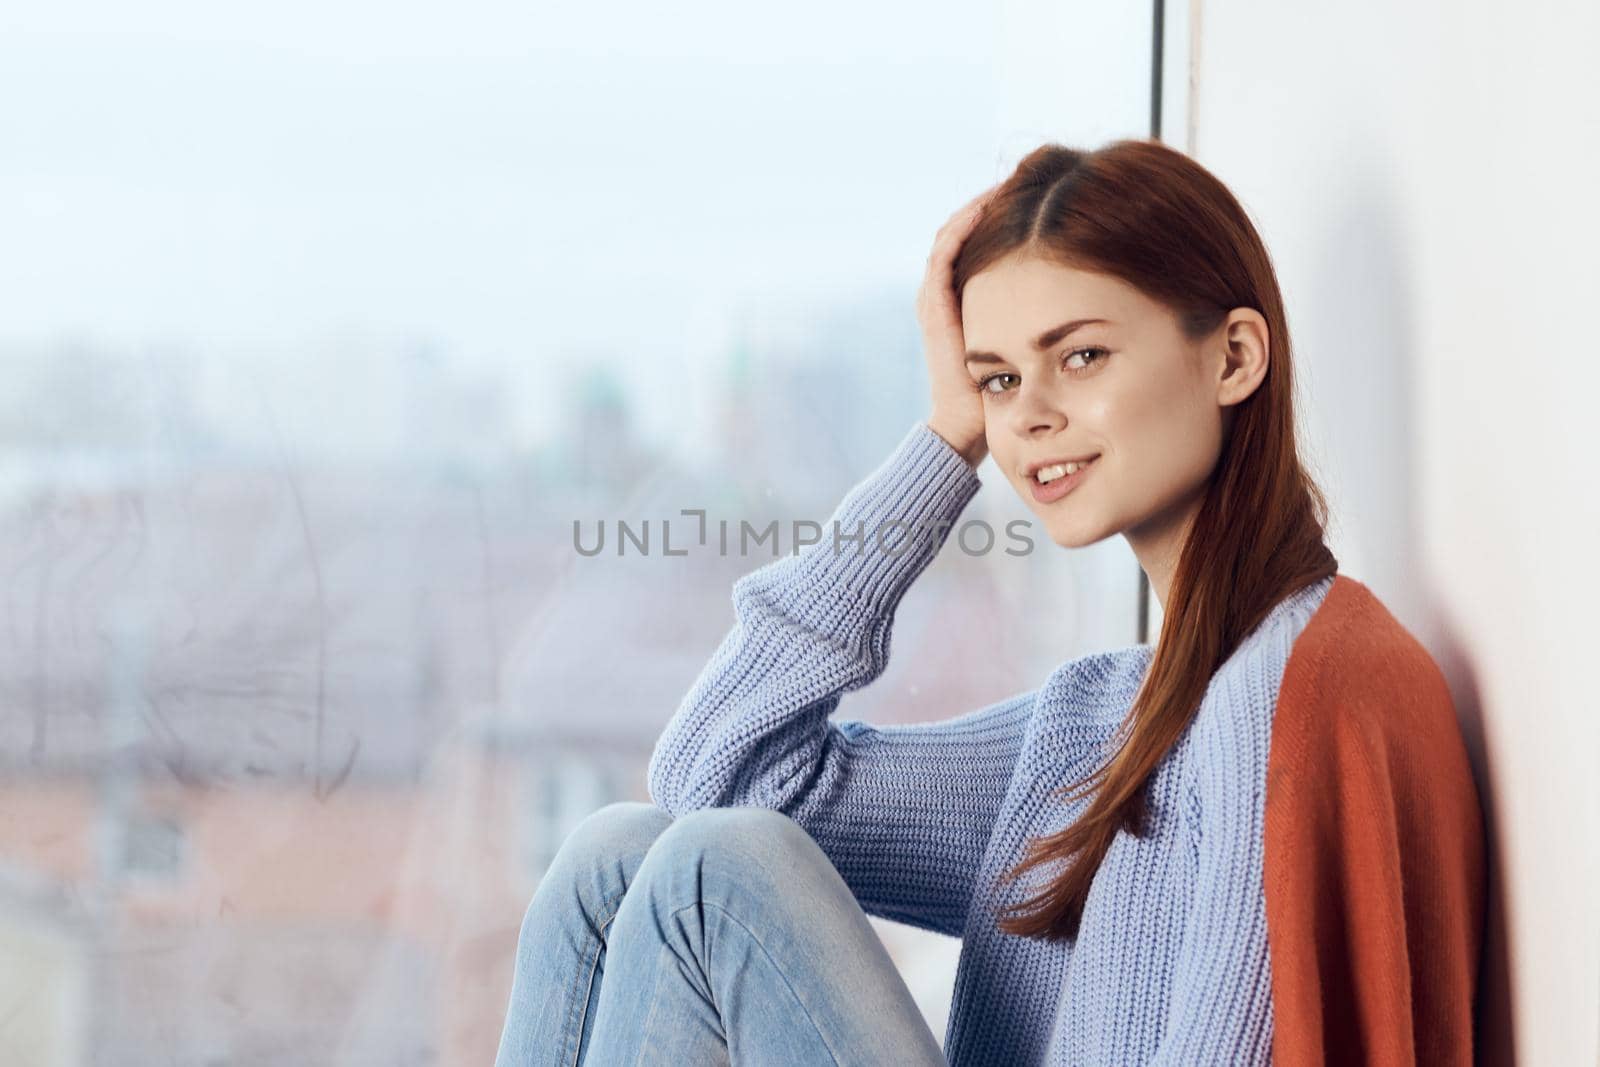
(957, 406)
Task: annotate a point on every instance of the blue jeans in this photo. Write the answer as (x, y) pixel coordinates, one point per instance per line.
(723, 936)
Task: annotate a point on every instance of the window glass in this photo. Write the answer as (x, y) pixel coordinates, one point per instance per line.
(323, 324)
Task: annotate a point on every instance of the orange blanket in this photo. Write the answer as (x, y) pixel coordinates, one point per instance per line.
(1374, 869)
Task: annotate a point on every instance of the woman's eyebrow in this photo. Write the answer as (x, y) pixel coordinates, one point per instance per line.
(1051, 336)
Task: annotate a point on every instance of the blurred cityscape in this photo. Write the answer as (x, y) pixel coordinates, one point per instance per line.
(289, 730)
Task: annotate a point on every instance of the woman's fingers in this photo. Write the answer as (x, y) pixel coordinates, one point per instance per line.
(958, 226)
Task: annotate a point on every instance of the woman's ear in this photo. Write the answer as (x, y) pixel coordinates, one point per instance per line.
(1245, 357)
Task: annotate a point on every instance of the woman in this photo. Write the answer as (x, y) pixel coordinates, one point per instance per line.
(1257, 839)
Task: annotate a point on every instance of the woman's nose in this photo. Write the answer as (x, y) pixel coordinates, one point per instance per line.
(1034, 411)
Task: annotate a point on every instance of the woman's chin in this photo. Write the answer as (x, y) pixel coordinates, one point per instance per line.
(1071, 534)
(1077, 531)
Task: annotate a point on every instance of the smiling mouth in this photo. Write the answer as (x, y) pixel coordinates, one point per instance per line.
(1048, 492)
(1055, 471)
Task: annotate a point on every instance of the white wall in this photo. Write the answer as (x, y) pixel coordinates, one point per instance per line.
(1425, 176)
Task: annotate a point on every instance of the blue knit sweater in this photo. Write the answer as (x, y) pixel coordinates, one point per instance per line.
(1170, 963)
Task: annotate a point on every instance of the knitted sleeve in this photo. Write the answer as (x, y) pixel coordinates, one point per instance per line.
(904, 812)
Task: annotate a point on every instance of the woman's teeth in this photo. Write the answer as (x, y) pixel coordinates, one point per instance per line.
(1046, 475)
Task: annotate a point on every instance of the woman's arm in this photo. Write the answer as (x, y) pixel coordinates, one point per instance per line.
(904, 812)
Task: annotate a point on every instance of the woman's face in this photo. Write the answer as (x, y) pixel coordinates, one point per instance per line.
(1131, 391)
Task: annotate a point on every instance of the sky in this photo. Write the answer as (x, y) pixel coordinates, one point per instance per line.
(294, 194)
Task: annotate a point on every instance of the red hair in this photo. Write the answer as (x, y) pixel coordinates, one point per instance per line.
(1149, 215)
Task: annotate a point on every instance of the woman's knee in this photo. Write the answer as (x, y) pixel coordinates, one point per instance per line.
(590, 872)
(605, 845)
(753, 842)
(620, 829)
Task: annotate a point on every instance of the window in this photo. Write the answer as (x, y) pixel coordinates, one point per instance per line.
(322, 325)
(152, 847)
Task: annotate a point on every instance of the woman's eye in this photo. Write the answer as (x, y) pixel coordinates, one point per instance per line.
(1100, 354)
(987, 384)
